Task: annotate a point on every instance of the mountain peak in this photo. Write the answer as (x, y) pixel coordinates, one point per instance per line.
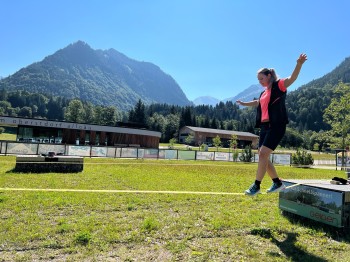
(206, 100)
(78, 46)
(247, 94)
(100, 77)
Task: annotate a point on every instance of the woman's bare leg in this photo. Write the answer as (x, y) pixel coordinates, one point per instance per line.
(271, 170)
(265, 164)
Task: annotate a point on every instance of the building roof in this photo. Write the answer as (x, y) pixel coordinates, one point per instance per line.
(18, 121)
(221, 131)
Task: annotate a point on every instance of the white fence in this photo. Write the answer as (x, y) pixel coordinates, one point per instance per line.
(17, 148)
(343, 162)
(325, 162)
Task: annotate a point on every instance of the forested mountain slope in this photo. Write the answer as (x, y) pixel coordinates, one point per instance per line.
(306, 105)
(106, 78)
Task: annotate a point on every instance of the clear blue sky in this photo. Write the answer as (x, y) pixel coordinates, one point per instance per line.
(210, 47)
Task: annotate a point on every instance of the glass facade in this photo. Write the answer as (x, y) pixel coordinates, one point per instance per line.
(39, 135)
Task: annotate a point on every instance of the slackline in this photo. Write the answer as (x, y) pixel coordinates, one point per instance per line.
(117, 191)
(126, 191)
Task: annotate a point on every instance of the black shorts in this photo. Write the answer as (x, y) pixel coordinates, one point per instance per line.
(271, 136)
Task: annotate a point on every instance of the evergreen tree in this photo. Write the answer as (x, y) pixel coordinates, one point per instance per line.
(138, 114)
(206, 123)
(214, 124)
(186, 117)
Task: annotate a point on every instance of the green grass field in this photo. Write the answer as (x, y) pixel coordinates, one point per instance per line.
(8, 137)
(110, 226)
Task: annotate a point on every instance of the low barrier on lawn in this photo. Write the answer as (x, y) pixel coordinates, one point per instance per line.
(46, 164)
(16, 148)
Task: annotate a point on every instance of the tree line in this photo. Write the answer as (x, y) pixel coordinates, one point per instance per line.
(168, 119)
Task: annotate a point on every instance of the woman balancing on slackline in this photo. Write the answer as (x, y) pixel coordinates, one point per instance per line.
(271, 118)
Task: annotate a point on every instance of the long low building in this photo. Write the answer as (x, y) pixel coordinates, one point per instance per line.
(205, 135)
(60, 132)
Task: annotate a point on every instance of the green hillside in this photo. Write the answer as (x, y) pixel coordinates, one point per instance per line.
(306, 105)
(106, 78)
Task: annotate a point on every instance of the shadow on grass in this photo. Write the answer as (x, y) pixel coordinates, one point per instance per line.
(288, 246)
(30, 172)
(338, 234)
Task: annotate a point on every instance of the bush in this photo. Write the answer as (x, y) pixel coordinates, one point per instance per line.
(172, 141)
(301, 157)
(246, 155)
(2, 130)
(235, 155)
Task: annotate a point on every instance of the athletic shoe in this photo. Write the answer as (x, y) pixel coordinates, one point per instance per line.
(253, 190)
(335, 182)
(276, 188)
(340, 180)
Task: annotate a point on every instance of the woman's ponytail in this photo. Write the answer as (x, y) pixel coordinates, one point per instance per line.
(274, 76)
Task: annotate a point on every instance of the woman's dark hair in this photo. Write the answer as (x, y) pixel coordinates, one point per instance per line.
(267, 71)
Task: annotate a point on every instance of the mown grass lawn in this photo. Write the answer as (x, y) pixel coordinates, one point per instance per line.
(8, 137)
(95, 226)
